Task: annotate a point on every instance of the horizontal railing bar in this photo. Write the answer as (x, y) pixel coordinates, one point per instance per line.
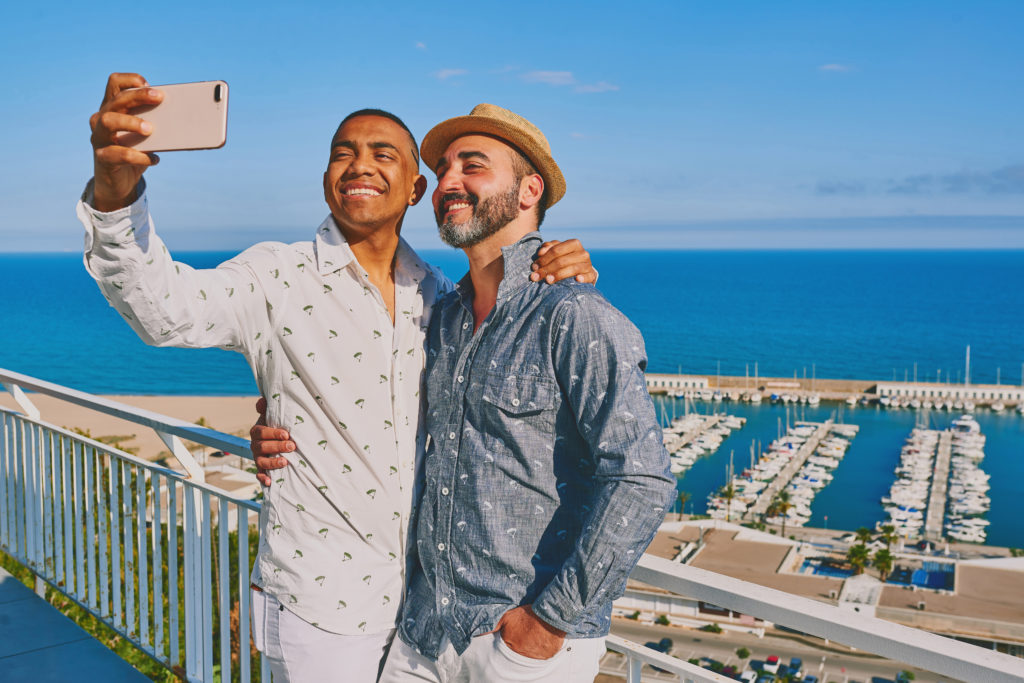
(920, 648)
(171, 425)
(689, 672)
(135, 460)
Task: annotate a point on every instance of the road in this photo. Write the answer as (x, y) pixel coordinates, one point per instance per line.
(832, 662)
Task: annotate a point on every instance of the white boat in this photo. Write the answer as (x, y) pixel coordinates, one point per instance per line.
(998, 407)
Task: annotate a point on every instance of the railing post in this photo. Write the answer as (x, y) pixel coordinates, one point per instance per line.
(178, 450)
(634, 669)
(23, 401)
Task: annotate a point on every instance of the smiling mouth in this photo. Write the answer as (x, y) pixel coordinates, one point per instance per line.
(456, 206)
(361, 192)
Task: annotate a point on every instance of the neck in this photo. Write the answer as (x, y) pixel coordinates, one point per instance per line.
(487, 266)
(374, 249)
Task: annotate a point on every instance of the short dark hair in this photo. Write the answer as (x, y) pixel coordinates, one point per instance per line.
(522, 167)
(387, 115)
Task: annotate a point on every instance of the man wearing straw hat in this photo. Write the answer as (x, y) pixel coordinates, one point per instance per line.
(546, 476)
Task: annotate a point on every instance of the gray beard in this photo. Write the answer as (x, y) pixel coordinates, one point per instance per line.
(489, 216)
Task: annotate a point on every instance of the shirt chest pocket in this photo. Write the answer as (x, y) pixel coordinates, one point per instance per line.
(519, 395)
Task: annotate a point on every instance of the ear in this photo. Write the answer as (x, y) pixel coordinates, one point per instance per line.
(327, 192)
(531, 189)
(419, 188)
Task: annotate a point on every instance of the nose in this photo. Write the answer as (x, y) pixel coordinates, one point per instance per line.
(449, 181)
(360, 165)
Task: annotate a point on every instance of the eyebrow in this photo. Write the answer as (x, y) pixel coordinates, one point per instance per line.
(464, 156)
(375, 145)
(348, 144)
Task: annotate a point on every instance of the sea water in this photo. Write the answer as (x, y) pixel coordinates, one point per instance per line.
(848, 314)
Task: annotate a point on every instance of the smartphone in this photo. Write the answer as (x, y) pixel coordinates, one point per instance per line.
(191, 116)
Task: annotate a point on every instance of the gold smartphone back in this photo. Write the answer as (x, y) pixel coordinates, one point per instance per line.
(191, 116)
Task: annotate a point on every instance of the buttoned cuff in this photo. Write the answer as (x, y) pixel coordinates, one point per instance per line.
(558, 609)
(112, 228)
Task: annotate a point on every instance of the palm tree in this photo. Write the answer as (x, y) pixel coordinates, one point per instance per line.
(728, 493)
(782, 507)
(883, 563)
(858, 557)
(863, 535)
(683, 497)
(889, 535)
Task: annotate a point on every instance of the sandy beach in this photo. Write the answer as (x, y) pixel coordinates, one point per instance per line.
(230, 414)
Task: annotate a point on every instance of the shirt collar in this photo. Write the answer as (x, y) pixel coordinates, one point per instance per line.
(332, 250)
(517, 260)
(334, 253)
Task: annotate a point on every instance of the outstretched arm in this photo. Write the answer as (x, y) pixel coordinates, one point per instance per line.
(166, 303)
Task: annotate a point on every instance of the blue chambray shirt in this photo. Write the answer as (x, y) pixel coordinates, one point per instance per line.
(546, 477)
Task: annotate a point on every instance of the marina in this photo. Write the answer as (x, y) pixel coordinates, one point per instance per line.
(864, 476)
(780, 487)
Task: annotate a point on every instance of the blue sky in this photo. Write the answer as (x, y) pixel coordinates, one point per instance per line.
(677, 124)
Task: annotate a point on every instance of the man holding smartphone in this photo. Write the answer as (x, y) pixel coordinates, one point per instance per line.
(334, 331)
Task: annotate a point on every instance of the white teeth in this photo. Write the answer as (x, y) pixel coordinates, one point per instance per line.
(457, 206)
(361, 191)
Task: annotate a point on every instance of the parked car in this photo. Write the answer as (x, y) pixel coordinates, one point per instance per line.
(794, 668)
(810, 678)
(771, 665)
(748, 676)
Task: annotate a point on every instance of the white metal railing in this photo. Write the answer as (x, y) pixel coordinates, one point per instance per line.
(97, 524)
(145, 549)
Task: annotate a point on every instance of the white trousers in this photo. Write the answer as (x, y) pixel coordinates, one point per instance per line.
(489, 660)
(299, 652)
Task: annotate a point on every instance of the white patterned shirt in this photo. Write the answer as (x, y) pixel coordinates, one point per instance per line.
(336, 373)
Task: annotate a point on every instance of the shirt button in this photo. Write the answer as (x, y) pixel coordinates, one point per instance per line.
(515, 401)
(444, 491)
(451, 435)
(440, 546)
(444, 601)
(461, 379)
(465, 326)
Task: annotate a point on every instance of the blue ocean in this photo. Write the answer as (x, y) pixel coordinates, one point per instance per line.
(873, 315)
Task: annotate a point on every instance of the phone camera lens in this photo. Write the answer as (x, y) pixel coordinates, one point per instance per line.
(217, 93)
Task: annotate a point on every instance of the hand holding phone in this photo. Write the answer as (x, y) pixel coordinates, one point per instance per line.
(191, 116)
(123, 141)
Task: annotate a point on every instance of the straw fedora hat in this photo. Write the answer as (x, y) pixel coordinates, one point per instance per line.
(488, 119)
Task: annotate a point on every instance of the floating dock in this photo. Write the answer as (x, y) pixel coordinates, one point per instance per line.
(764, 499)
(687, 437)
(939, 488)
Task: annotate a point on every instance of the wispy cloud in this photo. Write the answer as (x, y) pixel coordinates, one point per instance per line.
(445, 74)
(549, 77)
(421, 46)
(835, 68)
(1005, 180)
(832, 187)
(577, 136)
(567, 79)
(1001, 181)
(600, 86)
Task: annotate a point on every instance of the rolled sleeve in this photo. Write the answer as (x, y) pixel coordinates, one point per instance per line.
(599, 360)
